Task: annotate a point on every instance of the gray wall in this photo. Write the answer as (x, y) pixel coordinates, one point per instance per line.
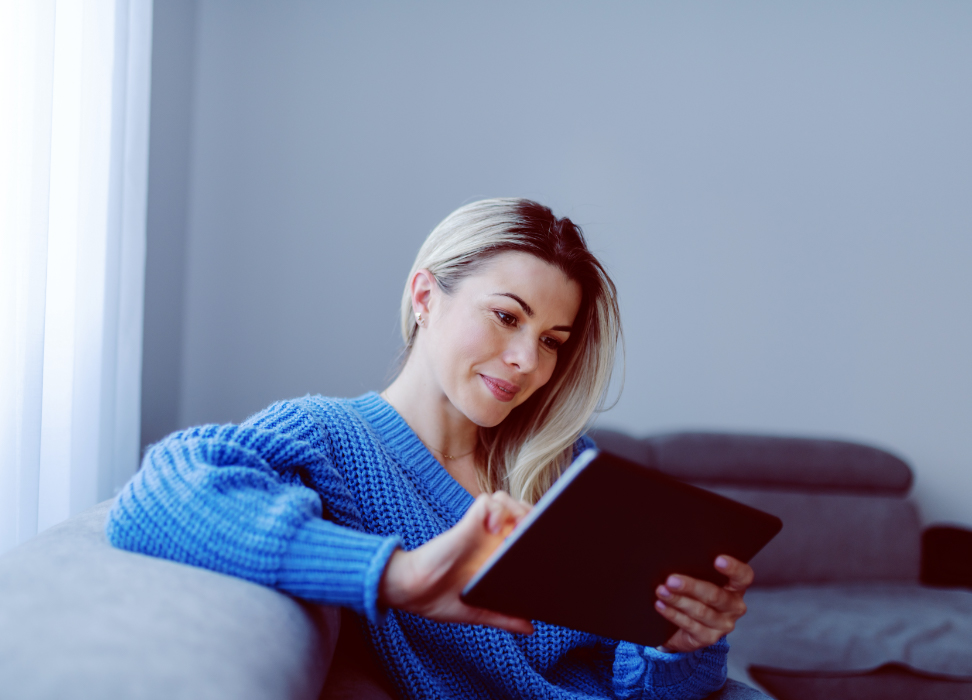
(170, 142)
(781, 191)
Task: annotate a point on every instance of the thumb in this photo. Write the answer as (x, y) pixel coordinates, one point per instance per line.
(472, 534)
(477, 517)
(468, 534)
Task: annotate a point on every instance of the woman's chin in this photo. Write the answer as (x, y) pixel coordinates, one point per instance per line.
(487, 413)
(488, 419)
(478, 404)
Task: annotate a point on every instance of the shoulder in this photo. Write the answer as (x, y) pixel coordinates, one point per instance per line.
(292, 425)
(360, 428)
(323, 412)
(332, 414)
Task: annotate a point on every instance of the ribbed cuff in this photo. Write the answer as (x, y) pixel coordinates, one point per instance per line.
(334, 565)
(637, 667)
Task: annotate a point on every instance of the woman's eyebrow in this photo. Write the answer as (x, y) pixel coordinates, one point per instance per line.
(528, 310)
(518, 300)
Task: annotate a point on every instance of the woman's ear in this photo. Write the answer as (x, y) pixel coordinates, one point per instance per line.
(422, 285)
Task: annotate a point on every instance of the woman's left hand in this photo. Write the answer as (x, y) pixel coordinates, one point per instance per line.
(703, 611)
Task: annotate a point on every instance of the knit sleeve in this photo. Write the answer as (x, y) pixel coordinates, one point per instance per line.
(644, 673)
(233, 499)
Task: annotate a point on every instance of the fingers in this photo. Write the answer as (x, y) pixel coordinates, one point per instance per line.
(722, 618)
(479, 616)
(703, 611)
(740, 574)
(711, 595)
(700, 634)
(502, 511)
(428, 580)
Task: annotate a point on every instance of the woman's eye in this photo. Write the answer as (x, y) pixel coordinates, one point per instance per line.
(552, 343)
(505, 318)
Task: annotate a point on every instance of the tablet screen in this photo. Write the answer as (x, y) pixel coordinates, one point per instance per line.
(592, 551)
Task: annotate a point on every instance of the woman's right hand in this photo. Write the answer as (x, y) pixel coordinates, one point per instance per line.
(427, 581)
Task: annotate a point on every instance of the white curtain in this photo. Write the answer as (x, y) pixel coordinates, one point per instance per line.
(74, 106)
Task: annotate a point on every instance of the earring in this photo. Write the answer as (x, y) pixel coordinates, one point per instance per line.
(418, 317)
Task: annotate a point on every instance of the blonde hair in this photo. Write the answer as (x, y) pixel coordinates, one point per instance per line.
(526, 453)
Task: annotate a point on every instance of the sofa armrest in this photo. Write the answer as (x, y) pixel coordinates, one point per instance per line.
(81, 619)
(946, 556)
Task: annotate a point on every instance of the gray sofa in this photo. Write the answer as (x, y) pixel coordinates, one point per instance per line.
(841, 607)
(80, 619)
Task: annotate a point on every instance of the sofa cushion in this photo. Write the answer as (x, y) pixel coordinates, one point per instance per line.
(759, 461)
(81, 619)
(857, 628)
(889, 682)
(831, 538)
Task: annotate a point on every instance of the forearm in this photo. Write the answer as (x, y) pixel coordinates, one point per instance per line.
(230, 499)
(332, 565)
(206, 497)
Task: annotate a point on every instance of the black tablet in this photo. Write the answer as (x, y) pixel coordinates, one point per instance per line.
(592, 551)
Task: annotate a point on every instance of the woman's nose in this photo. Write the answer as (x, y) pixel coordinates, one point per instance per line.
(523, 354)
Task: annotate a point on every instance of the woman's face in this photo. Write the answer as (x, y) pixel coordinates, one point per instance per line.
(494, 341)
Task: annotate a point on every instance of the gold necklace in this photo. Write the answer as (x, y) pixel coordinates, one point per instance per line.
(448, 457)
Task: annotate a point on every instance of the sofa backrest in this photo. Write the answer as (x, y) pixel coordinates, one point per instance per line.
(765, 462)
(835, 537)
(844, 508)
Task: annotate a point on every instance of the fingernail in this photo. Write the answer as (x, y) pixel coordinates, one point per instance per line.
(664, 592)
(673, 582)
(660, 605)
(722, 563)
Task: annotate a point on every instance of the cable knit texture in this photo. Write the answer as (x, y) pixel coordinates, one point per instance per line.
(312, 496)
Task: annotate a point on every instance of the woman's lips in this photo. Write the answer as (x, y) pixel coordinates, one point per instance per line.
(504, 391)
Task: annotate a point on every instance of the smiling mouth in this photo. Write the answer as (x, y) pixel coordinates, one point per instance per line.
(504, 391)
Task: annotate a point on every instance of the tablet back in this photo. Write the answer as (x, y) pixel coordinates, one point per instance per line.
(596, 546)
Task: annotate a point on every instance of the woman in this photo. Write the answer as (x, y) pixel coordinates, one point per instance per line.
(510, 327)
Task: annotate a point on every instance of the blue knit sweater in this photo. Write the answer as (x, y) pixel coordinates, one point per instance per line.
(248, 501)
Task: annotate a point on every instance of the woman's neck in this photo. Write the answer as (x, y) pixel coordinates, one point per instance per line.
(450, 436)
